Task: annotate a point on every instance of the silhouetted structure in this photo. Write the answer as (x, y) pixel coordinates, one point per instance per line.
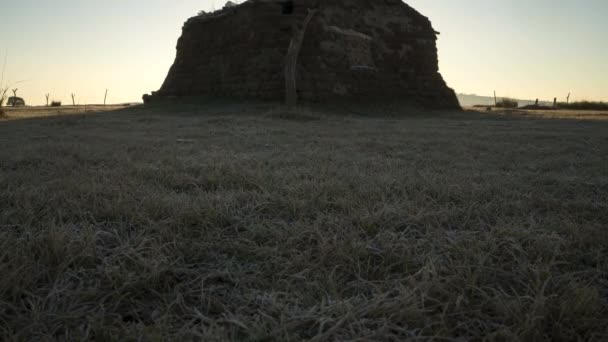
(352, 50)
(15, 101)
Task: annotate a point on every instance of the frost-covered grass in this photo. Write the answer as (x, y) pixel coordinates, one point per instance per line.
(257, 223)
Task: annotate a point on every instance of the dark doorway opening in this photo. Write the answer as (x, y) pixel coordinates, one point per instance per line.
(287, 7)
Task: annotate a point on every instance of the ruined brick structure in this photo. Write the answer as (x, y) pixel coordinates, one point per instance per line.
(353, 50)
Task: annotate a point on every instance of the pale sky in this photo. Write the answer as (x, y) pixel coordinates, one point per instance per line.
(520, 48)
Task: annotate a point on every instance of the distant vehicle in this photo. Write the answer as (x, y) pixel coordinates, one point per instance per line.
(15, 102)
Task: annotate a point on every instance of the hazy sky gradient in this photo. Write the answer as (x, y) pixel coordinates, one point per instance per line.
(520, 48)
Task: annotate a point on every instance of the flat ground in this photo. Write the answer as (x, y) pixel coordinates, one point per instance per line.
(549, 114)
(259, 223)
(20, 113)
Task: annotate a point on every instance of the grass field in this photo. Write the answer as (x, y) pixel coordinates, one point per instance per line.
(258, 223)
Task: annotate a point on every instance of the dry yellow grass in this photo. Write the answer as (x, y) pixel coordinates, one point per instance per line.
(567, 114)
(261, 224)
(16, 113)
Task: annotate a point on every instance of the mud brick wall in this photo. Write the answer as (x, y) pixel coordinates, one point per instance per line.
(354, 50)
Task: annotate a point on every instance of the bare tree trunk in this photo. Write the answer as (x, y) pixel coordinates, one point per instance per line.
(15, 97)
(105, 97)
(2, 98)
(291, 62)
